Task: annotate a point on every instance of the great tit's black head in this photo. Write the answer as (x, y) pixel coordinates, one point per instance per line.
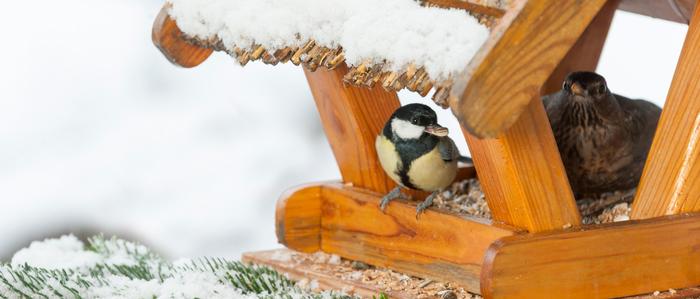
(585, 86)
(414, 120)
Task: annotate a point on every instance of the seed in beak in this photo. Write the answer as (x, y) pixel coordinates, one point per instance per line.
(437, 130)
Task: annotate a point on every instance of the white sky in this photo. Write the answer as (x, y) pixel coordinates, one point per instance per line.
(99, 132)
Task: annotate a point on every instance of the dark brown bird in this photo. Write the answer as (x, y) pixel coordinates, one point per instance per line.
(603, 138)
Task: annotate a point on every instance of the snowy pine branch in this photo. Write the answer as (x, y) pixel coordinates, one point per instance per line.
(114, 268)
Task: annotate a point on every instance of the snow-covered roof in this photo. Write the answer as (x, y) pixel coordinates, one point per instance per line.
(397, 43)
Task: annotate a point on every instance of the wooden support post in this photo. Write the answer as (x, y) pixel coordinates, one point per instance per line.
(670, 182)
(602, 261)
(352, 117)
(522, 175)
(521, 171)
(509, 71)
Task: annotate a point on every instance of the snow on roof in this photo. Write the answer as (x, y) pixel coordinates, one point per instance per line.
(394, 33)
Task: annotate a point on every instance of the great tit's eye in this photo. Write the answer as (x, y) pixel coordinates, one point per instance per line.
(414, 121)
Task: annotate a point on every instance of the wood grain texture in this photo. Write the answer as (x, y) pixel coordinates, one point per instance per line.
(171, 42)
(522, 175)
(298, 218)
(663, 9)
(469, 6)
(438, 245)
(605, 261)
(670, 183)
(309, 272)
(524, 49)
(585, 53)
(352, 117)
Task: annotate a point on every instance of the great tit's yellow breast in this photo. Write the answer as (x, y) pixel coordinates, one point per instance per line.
(388, 157)
(430, 173)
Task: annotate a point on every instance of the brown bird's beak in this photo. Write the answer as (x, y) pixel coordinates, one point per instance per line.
(437, 130)
(576, 89)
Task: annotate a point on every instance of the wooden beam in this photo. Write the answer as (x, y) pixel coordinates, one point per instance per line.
(605, 261)
(298, 218)
(524, 49)
(170, 40)
(438, 245)
(352, 118)
(585, 53)
(347, 221)
(670, 183)
(522, 175)
(671, 10)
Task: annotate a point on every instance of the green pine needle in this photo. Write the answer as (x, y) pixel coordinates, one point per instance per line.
(25, 281)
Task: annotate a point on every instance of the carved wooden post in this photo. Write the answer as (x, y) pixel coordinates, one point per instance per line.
(670, 183)
(520, 170)
(352, 117)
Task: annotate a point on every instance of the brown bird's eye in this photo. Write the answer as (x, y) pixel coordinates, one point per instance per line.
(601, 89)
(566, 85)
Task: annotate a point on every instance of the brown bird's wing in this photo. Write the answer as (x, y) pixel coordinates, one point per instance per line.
(641, 118)
(448, 149)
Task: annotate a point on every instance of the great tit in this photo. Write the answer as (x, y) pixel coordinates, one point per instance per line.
(603, 138)
(416, 153)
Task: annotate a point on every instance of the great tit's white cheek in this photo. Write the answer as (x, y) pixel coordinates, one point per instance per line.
(406, 130)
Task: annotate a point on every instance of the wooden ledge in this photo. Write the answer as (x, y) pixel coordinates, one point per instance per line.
(344, 220)
(602, 261)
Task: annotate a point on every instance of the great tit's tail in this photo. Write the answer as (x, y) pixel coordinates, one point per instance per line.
(465, 160)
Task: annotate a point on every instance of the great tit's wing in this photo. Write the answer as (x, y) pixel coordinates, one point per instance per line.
(448, 149)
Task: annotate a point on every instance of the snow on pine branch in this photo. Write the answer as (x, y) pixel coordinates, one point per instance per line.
(114, 268)
(395, 32)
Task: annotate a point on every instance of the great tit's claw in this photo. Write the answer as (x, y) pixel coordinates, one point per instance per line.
(393, 194)
(425, 204)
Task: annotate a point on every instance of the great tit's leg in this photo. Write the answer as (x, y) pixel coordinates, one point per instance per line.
(393, 194)
(426, 203)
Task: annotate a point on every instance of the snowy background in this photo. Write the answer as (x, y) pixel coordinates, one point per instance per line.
(99, 133)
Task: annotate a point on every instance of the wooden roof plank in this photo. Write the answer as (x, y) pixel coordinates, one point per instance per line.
(168, 38)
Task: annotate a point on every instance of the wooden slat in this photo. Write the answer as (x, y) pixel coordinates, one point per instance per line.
(438, 245)
(522, 175)
(298, 218)
(352, 117)
(670, 183)
(663, 9)
(309, 272)
(171, 42)
(585, 53)
(467, 5)
(605, 261)
(522, 52)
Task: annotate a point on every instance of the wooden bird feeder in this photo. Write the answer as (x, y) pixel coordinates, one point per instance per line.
(536, 245)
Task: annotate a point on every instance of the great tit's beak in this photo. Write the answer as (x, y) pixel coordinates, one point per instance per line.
(576, 89)
(437, 130)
